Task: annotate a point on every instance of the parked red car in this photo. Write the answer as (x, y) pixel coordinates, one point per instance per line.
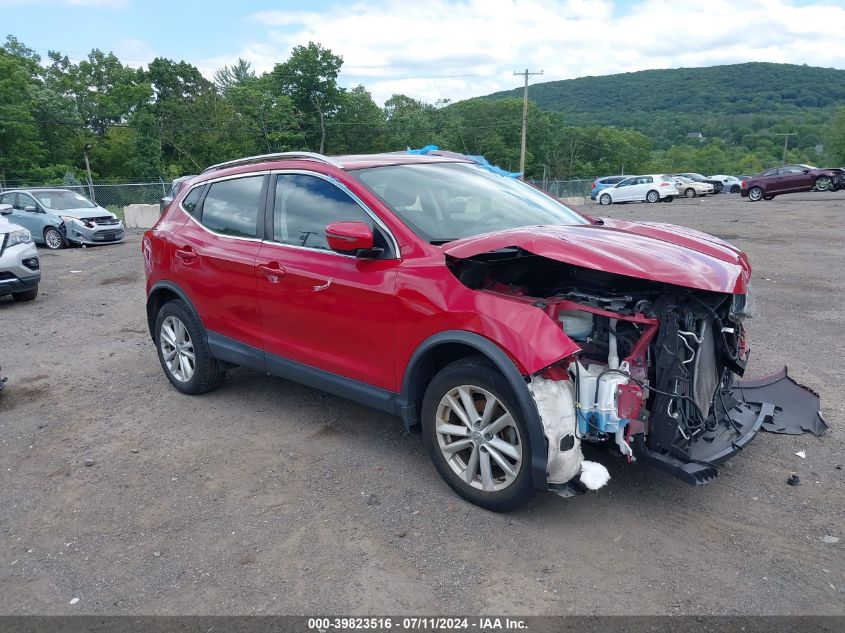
(508, 326)
(791, 179)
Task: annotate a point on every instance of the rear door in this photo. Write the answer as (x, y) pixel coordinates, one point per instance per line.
(321, 308)
(214, 256)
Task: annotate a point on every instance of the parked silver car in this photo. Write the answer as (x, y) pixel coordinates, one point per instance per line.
(20, 270)
(58, 216)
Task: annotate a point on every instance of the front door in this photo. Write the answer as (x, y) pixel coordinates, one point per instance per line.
(320, 308)
(625, 190)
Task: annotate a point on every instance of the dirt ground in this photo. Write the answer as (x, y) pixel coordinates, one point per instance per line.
(268, 497)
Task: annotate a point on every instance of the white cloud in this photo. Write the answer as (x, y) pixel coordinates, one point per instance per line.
(441, 49)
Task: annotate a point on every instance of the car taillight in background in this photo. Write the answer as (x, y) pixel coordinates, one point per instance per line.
(665, 184)
(742, 184)
(593, 186)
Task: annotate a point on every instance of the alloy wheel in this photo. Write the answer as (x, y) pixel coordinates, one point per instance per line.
(479, 438)
(652, 196)
(53, 239)
(823, 183)
(755, 194)
(177, 349)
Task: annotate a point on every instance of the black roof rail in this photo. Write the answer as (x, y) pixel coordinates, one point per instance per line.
(277, 156)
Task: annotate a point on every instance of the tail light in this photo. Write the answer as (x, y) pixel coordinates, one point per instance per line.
(742, 184)
(593, 186)
(664, 184)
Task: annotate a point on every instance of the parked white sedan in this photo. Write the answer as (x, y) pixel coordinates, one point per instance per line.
(648, 188)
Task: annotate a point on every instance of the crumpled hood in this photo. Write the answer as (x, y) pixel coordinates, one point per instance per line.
(84, 214)
(645, 250)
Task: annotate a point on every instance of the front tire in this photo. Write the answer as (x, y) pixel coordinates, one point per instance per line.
(183, 351)
(823, 183)
(755, 194)
(26, 295)
(605, 199)
(689, 193)
(652, 196)
(475, 434)
(53, 238)
(735, 189)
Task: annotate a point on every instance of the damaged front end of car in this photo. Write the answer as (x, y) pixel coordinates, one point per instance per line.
(655, 378)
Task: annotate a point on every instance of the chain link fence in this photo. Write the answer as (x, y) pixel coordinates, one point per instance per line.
(565, 188)
(112, 196)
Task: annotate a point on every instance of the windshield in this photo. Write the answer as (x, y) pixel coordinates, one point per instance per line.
(448, 201)
(62, 200)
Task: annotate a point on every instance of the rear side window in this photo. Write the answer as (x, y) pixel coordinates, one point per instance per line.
(192, 199)
(231, 206)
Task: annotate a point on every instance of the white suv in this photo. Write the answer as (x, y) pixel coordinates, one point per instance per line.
(20, 270)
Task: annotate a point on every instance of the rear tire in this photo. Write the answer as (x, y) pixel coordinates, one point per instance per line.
(26, 295)
(735, 189)
(755, 194)
(491, 470)
(652, 196)
(689, 193)
(605, 199)
(183, 351)
(53, 238)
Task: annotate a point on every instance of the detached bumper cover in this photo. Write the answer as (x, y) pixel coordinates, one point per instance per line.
(775, 403)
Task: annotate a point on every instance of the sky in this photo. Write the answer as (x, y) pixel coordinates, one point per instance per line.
(441, 49)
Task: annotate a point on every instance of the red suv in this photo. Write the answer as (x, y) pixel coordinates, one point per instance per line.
(509, 327)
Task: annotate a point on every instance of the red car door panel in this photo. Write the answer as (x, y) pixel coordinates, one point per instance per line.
(324, 309)
(329, 311)
(216, 270)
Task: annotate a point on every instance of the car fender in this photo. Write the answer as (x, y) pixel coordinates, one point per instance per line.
(411, 391)
(155, 289)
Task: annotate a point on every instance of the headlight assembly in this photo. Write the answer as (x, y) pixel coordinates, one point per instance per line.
(743, 306)
(19, 237)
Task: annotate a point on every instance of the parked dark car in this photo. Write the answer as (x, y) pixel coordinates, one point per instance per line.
(791, 179)
(718, 185)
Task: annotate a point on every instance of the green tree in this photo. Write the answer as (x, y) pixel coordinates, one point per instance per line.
(309, 78)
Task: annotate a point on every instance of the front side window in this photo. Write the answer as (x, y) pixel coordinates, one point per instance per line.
(627, 182)
(305, 205)
(231, 206)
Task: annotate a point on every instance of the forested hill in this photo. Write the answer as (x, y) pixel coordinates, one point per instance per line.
(718, 101)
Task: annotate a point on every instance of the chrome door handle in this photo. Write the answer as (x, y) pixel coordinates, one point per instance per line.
(325, 286)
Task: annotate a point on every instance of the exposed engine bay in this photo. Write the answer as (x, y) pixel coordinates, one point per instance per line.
(656, 374)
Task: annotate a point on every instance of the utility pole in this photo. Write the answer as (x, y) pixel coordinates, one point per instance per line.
(526, 74)
(88, 147)
(786, 136)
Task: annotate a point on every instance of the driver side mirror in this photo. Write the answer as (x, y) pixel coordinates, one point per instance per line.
(352, 238)
(31, 209)
(5, 209)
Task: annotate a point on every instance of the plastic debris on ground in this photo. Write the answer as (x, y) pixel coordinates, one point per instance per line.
(796, 407)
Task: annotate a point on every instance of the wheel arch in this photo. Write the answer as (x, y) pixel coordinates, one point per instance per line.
(443, 348)
(161, 293)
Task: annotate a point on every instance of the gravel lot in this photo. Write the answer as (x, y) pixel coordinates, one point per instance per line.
(268, 497)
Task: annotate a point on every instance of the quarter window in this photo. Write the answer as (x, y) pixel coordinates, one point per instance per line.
(306, 204)
(231, 206)
(192, 199)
